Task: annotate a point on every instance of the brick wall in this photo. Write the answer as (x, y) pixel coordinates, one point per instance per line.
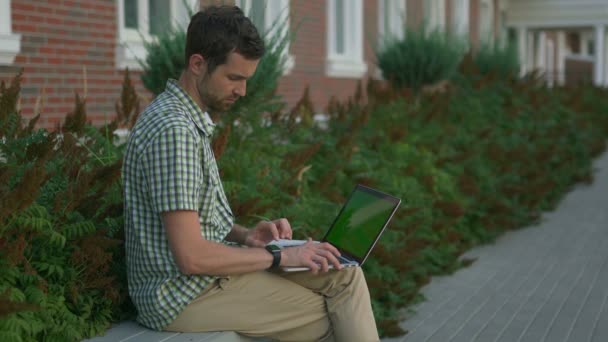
(62, 41)
(310, 51)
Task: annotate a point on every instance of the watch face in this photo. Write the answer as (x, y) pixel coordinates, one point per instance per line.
(274, 248)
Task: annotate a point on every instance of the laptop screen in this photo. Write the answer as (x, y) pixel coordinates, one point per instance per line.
(361, 221)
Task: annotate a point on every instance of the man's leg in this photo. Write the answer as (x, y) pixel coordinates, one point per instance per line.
(258, 304)
(348, 302)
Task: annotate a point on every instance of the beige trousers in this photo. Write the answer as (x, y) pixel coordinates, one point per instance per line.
(296, 306)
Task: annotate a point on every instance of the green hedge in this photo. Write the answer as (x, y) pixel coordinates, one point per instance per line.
(486, 156)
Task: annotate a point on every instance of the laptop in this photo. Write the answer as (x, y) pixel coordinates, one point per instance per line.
(357, 227)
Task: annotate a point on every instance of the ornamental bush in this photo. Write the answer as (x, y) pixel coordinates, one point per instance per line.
(61, 257)
(487, 155)
(421, 58)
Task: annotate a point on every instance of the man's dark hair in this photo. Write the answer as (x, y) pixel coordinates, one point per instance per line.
(216, 31)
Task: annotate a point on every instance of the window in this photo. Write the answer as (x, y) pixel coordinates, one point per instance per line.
(434, 14)
(141, 20)
(10, 43)
(265, 14)
(391, 18)
(345, 39)
(486, 21)
(460, 18)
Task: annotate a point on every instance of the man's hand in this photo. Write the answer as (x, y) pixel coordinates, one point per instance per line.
(316, 256)
(266, 231)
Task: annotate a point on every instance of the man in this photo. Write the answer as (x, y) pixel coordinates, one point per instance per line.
(184, 274)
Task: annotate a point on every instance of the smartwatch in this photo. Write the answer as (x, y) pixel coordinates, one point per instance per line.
(276, 255)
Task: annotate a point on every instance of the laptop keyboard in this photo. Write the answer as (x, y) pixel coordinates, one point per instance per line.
(343, 260)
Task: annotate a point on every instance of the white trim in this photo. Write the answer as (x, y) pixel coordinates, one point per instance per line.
(577, 57)
(460, 18)
(586, 38)
(522, 45)
(395, 21)
(275, 11)
(541, 57)
(550, 61)
(600, 54)
(557, 13)
(561, 57)
(350, 63)
(486, 21)
(130, 42)
(435, 14)
(10, 43)
(530, 51)
(605, 58)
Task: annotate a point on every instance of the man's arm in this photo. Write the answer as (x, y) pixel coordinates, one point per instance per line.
(238, 234)
(196, 255)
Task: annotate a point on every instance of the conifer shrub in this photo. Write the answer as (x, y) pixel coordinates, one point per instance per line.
(501, 59)
(165, 59)
(419, 59)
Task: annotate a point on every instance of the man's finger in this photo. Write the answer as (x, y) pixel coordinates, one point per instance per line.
(284, 228)
(328, 247)
(273, 229)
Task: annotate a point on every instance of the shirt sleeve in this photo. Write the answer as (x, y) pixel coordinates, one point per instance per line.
(173, 171)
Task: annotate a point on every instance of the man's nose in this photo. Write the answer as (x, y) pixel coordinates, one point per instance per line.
(241, 89)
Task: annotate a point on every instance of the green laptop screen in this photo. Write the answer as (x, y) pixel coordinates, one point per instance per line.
(361, 220)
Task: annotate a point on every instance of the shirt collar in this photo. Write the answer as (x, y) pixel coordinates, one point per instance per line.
(201, 119)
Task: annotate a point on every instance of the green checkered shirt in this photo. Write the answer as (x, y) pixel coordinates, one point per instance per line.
(169, 165)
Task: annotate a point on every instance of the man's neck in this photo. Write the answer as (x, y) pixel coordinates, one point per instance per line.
(188, 84)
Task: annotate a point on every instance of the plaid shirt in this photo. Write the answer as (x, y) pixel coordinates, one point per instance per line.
(169, 165)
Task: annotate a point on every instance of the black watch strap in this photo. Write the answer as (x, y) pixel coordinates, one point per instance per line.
(276, 255)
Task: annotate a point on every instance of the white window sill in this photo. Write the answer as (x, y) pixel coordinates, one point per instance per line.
(128, 52)
(345, 68)
(10, 45)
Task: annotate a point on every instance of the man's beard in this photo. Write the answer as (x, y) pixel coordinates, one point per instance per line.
(214, 103)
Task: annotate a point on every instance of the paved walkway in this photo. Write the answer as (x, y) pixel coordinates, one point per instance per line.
(544, 283)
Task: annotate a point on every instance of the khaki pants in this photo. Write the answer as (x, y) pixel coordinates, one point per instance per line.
(287, 307)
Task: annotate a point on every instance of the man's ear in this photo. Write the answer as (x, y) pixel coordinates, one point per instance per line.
(197, 64)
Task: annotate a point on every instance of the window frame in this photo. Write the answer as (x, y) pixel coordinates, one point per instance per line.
(461, 18)
(10, 43)
(350, 63)
(436, 15)
(486, 34)
(274, 13)
(396, 21)
(130, 42)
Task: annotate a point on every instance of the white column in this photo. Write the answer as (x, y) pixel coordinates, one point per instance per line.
(522, 35)
(561, 57)
(531, 41)
(600, 52)
(550, 65)
(606, 58)
(540, 52)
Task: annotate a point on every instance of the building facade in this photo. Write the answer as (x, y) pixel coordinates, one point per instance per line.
(66, 46)
(564, 40)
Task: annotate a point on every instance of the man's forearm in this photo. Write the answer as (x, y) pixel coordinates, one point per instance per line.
(237, 234)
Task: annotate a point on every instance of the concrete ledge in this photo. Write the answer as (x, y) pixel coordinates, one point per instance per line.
(133, 332)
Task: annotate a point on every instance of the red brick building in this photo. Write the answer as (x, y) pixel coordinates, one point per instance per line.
(66, 47)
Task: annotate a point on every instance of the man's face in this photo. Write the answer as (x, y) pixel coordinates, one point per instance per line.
(219, 90)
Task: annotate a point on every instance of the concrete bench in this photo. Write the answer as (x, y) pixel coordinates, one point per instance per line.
(134, 332)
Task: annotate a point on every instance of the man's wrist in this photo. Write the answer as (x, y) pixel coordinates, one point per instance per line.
(275, 251)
